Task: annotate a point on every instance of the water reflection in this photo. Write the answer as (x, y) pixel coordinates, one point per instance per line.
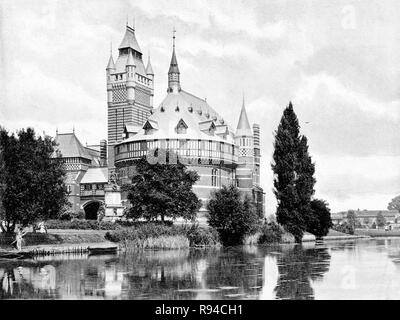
(297, 267)
(348, 270)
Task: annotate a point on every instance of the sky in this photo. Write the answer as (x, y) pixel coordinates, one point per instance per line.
(337, 61)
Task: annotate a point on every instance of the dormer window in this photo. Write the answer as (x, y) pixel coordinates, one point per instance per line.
(181, 127)
(211, 130)
(150, 127)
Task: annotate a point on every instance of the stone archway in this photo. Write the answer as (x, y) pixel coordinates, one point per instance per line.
(91, 210)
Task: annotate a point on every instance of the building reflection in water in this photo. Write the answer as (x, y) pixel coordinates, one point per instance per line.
(227, 273)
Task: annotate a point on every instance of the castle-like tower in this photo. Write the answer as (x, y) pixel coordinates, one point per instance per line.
(245, 140)
(130, 90)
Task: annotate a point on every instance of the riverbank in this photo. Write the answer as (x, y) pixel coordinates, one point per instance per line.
(334, 235)
(143, 237)
(377, 233)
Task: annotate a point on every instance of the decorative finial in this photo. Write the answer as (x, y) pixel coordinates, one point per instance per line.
(111, 47)
(127, 20)
(73, 129)
(133, 27)
(56, 130)
(173, 37)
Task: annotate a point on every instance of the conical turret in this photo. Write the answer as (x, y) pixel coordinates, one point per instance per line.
(149, 68)
(111, 64)
(173, 72)
(243, 127)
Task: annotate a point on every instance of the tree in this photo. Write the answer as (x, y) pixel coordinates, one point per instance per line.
(162, 190)
(352, 218)
(33, 181)
(293, 175)
(394, 204)
(2, 181)
(321, 222)
(231, 216)
(380, 219)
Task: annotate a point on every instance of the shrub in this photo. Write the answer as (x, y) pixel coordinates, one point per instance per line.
(345, 227)
(66, 215)
(232, 217)
(139, 235)
(143, 231)
(270, 233)
(199, 236)
(81, 225)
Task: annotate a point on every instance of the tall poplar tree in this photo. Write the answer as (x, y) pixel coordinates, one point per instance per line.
(293, 175)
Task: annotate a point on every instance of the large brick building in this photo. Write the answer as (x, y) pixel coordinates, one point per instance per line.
(182, 123)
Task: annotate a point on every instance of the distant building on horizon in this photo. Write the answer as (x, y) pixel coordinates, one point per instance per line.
(367, 217)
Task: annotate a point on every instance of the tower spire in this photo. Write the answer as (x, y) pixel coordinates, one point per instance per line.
(243, 127)
(173, 72)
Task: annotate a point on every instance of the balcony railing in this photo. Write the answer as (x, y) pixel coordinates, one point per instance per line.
(92, 193)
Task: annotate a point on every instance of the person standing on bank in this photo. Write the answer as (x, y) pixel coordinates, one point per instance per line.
(18, 239)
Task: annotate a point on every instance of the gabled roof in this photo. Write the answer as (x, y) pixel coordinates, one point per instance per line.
(129, 40)
(150, 124)
(181, 123)
(96, 175)
(70, 147)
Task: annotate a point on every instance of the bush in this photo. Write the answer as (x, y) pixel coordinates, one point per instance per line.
(143, 231)
(271, 233)
(199, 236)
(345, 227)
(66, 215)
(232, 217)
(139, 235)
(77, 224)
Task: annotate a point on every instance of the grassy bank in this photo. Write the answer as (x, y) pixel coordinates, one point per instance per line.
(160, 236)
(33, 239)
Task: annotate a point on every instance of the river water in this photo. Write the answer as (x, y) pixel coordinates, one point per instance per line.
(358, 269)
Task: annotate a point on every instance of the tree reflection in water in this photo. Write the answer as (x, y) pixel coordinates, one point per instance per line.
(254, 272)
(297, 267)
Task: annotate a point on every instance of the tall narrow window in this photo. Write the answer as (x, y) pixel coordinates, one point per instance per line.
(214, 177)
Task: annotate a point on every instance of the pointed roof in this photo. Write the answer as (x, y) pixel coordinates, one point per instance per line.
(70, 147)
(129, 40)
(173, 66)
(243, 127)
(111, 64)
(149, 68)
(130, 61)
